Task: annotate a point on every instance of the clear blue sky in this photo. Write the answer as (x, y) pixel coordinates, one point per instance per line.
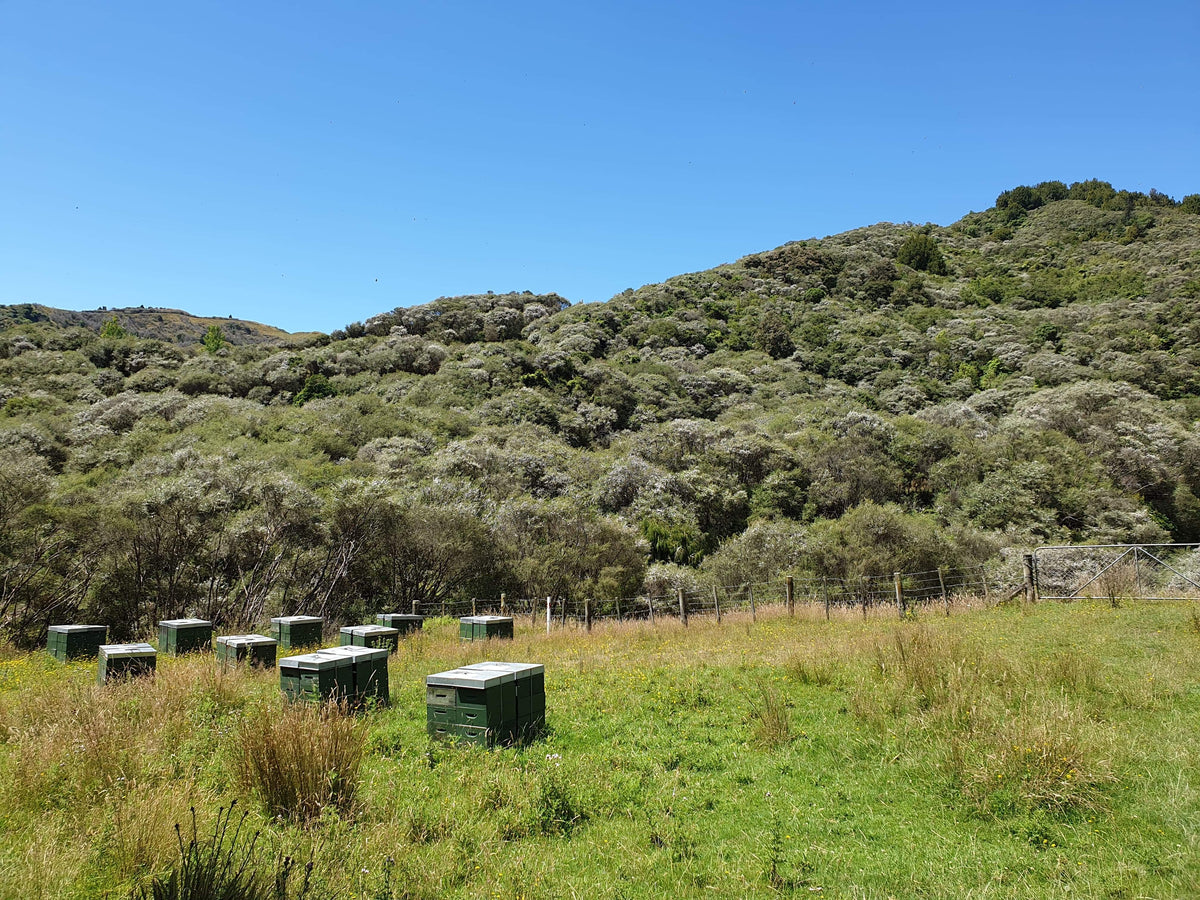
(309, 164)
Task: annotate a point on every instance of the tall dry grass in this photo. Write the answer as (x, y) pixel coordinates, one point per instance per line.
(301, 760)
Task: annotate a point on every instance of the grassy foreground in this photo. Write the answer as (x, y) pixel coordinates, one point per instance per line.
(1038, 752)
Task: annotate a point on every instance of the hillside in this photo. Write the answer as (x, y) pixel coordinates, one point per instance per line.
(897, 397)
(158, 323)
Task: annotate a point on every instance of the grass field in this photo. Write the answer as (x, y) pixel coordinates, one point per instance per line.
(1049, 751)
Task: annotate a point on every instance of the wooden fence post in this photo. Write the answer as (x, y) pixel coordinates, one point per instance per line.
(547, 615)
(753, 614)
(790, 588)
(650, 600)
(717, 604)
(414, 607)
(619, 618)
(474, 607)
(1027, 577)
(587, 613)
(942, 585)
(899, 593)
(682, 608)
(987, 597)
(825, 595)
(503, 603)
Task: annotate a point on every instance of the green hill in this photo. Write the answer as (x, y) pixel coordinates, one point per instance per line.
(159, 323)
(898, 397)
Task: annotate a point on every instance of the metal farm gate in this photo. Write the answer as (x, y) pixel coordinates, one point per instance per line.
(1117, 572)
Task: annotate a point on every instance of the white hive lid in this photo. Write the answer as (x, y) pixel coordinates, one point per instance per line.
(116, 651)
(520, 670)
(479, 679)
(370, 629)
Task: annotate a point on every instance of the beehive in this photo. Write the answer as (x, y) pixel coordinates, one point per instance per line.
(297, 631)
(370, 636)
(176, 636)
(255, 649)
(353, 674)
(480, 628)
(116, 662)
(530, 681)
(472, 705)
(65, 642)
(315, 677)
(402, 622)
(369, 665)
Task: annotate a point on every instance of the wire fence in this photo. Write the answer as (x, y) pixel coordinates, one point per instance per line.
(901, 594)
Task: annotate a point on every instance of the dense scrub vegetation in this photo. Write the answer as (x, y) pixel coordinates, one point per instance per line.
(1028, 374)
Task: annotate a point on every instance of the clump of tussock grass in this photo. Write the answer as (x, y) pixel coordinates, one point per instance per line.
(1044, 758)
(1073, 672)
(302, 760)
(772, 722)
(817, 668)
(920, 663)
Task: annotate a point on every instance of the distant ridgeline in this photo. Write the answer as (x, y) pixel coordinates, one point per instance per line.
(895, 398)
(173, 325)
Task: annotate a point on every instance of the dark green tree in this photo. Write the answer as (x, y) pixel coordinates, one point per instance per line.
(315, 387)
(920, 251)
(773, 337)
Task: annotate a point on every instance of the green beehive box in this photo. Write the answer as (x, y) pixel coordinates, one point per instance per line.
(314, 677)
(463, 734)
(369, 671)
(470, 698)
(493, 627)
(255, 649)
(290, 632)
(116, 662)
(65, 642)
(370, 636)
(480, 628)
(530, 681)
(402, 622)
(176, 636)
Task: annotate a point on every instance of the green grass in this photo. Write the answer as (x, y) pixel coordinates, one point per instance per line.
(1038, 752)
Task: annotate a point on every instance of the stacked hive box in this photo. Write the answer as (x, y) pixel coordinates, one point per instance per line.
(353, 674)
(402, 622)
(65, 642)
(480, 628)
(297, 631)
(486, 703)
(176, 636)
(120, 661)
(255, 649)
(530, 679)
(371, 636)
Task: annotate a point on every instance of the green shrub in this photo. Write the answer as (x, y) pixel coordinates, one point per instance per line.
(920, 251)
